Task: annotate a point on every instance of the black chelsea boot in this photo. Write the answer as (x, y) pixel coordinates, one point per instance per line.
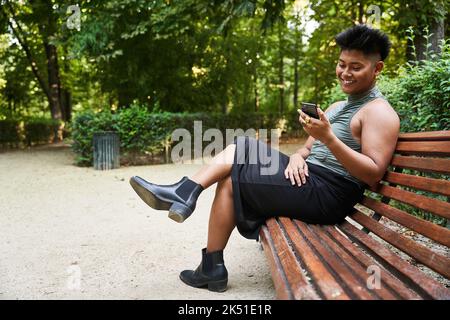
(179, 198)
(210, 273)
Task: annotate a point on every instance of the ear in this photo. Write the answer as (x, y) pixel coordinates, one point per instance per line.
(378, 67)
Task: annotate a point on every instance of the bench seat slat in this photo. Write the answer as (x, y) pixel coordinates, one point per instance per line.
(387, 279)
(422, 284)
(351, 262)
(422, 254)
(424, 136)
(282, 288)
(298, 283)
(435, 206)
(438, 165)
(421, 183)
(354, 287)
(326, 283)
(440, 148)
(426, 228)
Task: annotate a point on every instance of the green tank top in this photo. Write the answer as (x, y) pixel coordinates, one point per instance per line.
(340, 118)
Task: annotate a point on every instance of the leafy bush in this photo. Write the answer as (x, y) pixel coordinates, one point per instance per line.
(83, 128)
(421, 94)
(40, 130)
(143, 133)
(27, 131)
(10, 132)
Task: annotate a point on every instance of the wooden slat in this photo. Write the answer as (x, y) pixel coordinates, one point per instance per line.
(282, 288)
(424, 136)
(422, 254)
(322, 278)
(439, 186)
(437, 165)
(422, 283)
(299, 285)
(426, 228)
(354, 288)
(441, 148)
(435, 206)
(351, 263)
(387, 278)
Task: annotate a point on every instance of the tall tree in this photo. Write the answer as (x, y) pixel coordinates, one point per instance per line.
(35, 26)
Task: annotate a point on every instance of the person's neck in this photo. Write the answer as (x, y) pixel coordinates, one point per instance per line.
(361, 94)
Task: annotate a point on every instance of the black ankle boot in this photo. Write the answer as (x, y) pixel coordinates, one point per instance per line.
(210, 273)
(179, 198)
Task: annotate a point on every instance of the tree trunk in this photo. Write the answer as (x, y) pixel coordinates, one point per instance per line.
(66, 104)
(361, 11)
(438, 31)
(298, 38)
(21, 38)
(436, 35)
(295, 99)
(53, 81)
(255, 87)
(66, 96)
(281, 69)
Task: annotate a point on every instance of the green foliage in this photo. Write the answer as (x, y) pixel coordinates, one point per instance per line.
(27, 131)
(333, 95)
(145, 133)
(421, 94)
(40, 130)
(82, 130)
(9, 132)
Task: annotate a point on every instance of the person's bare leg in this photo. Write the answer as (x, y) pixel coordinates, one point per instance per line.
(217, 169)
(221, 218)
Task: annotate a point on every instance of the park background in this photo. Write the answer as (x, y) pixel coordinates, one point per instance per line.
(144, 68)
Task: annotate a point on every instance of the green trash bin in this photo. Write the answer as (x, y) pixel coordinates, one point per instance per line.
(106, 150)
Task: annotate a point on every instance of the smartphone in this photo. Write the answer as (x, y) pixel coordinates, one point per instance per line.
(310, 109)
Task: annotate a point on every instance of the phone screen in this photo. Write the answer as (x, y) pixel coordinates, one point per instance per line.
(310, 109)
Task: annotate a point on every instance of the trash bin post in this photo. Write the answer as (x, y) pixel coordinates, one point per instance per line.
(106, 150)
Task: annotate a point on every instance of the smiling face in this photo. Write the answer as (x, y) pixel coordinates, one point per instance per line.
(356, 71)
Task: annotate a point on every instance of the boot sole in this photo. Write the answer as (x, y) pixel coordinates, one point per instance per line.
(148, 197)
(215, 286)
(177, 211)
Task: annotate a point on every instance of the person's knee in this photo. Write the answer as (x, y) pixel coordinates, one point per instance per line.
(225, 185)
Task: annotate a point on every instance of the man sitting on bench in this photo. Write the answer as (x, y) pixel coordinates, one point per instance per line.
(349, 147)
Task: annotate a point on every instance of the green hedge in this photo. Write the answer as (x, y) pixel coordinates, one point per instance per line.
(40, 130)
(10, 133)
(145, 133)
(421, 94)
(27, 131)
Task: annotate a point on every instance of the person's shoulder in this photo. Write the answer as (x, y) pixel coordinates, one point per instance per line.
(380, 109)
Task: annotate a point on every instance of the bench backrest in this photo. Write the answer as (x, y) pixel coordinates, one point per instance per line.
(426, 154)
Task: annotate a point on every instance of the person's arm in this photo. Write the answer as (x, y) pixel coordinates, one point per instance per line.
(305, 150)
(380, 126)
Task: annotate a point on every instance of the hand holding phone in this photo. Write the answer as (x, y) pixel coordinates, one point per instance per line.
(310, 109)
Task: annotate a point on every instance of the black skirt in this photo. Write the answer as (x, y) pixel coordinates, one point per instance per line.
(261, 191)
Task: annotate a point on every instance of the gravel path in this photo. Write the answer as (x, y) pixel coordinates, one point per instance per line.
(76, 233)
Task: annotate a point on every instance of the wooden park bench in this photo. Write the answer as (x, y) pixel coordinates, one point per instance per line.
(345, 261)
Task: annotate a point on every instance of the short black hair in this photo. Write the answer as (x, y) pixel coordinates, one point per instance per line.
(363, 38)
